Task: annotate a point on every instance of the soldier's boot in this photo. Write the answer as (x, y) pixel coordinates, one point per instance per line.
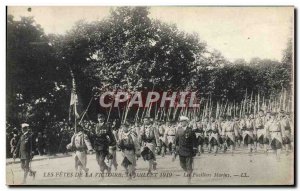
(163, 151)
(151, 165)
(133, 172)
(231, 150)
(199, 150)
(25, 177)
(287, 149)
(130, 172)
(215, 150)
(255, 147)
(108, 170)
(266, 149)
(189, 178)
(32, 173)
(202, 149)
(154, 165)
(249, 149)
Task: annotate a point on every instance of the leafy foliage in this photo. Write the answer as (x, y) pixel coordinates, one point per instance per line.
(128, 51)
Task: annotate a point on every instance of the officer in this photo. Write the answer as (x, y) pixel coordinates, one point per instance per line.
(185, 146)
(25, 149)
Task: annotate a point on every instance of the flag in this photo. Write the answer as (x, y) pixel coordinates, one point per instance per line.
(73, 113)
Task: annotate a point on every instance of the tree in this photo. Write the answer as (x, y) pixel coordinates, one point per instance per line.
(35, 81)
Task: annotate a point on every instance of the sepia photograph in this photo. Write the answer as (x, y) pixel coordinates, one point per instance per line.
(150, 96)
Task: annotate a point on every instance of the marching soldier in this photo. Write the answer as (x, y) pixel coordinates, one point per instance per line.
(276, 131)
(115, 131)
(128, 143)
(170, 135)
(80, 143)
(13, 145)
(198, 129)
(204, 125)
(214, 134)
(248, 135)
(150, 138)
(161, 133)
(185, 146)
(238, 131)
(261, 137)
(104, 144)
(222, 143)
(287, 135)
(25, 150)
(229, 133)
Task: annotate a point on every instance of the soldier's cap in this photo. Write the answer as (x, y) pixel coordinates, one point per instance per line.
(261, 110)
(147, 117)
(183, 118)
(100, 115)
(24, 125)
(282, 111)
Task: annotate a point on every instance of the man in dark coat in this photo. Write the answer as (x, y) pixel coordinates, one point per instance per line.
(185, 146)
(104, 143)
(25, 150)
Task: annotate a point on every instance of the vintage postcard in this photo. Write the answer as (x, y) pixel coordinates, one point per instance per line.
(140, 96)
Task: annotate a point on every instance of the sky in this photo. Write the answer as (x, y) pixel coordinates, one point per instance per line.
(237, 32)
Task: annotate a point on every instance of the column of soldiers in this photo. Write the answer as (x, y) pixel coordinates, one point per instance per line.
(185, 138)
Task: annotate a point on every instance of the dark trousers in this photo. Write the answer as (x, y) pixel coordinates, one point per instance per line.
(186, 163)
(25, 164)
(100, 157)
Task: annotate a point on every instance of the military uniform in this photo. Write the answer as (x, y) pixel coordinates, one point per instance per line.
(248, 129)
(286, 127)
(25, 150)
(186, 147)
(161, 134)
(150, 139)
(213, 131)
(80, 143)
(261, 130)
(129, 144)
(275, 130)
(199, 132)
(103, 139)
(13, 144)
(229, 132)
(170, 136)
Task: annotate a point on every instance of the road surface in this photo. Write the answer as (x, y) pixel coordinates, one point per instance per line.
(223, 169)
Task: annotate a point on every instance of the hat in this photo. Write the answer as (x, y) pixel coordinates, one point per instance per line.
(183, 118)
(24, 125)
